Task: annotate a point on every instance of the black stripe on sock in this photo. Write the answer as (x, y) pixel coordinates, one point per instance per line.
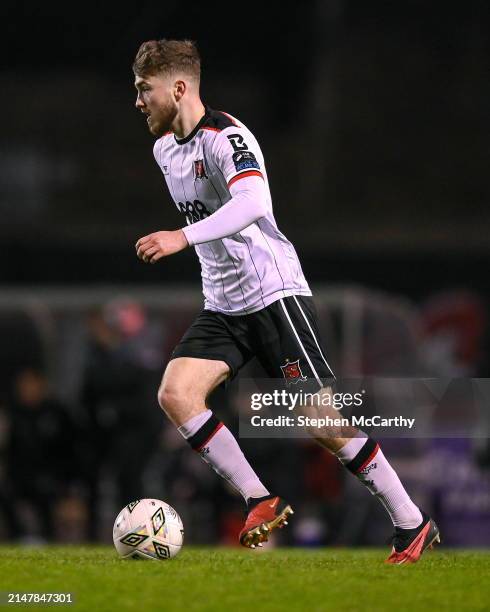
(204, 433)
(364, 454)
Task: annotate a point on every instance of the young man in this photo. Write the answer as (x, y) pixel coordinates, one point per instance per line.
(257, 301)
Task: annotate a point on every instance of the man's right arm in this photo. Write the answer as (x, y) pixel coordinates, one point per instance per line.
(247, 205)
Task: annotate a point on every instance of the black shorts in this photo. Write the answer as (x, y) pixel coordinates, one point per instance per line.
(283, 336)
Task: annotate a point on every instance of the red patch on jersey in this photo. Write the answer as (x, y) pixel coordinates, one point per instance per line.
(199, 170)
(292, 372)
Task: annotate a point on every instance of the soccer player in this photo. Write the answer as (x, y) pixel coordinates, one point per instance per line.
(257, 301)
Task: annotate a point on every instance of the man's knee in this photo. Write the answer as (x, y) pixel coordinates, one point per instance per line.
(186, 384)
(180, 400)
(171, 396)
(327, 424)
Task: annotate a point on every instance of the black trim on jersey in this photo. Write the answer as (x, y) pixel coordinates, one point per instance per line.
(199, 125)
(218, 120)
(212, 119)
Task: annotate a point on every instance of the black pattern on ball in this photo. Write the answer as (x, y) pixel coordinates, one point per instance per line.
(131, 506)
(133, 539)
(162, 550)
(158, 520)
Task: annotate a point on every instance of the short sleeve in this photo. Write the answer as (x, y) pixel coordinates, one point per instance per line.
(237, 154)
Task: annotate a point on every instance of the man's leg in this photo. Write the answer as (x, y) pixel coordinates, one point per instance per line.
(363, 457)
(288, 332)
(186, 384)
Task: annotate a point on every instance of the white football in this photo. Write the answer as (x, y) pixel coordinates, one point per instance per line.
(148, 529)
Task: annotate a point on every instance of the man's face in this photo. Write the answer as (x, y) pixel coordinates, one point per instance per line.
(155, 100)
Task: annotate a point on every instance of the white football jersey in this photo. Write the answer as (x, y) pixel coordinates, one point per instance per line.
(251, 269)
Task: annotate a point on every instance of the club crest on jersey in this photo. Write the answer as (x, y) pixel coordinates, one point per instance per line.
(291, 371)
(199, 170)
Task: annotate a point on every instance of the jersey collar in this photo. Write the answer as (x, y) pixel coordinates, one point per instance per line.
(196, 129)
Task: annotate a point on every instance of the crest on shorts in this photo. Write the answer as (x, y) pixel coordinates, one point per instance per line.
(291, 371)
(199, 170)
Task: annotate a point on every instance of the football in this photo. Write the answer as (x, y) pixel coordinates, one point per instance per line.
(148, 529)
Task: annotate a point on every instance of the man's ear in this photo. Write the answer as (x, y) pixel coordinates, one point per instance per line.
(179, 89)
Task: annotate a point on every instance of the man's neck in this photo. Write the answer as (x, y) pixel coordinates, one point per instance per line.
(187, 119)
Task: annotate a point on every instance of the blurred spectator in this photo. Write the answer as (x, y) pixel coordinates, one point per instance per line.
(40, 453)
(21, 347)
(123, 420)
(453, 333)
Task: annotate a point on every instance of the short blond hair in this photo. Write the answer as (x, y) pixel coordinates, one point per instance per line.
(166, 57)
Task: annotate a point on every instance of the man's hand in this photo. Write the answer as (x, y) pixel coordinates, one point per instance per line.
(153, 247)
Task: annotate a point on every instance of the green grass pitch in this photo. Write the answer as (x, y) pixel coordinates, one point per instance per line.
(218, 579)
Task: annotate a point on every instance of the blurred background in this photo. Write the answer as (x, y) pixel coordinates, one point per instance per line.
(373, 119)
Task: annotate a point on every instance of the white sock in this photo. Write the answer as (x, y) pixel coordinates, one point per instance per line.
(217, 446)
(363, 457)
(190, 427)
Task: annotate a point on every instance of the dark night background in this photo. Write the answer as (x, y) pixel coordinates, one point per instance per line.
(373, 118)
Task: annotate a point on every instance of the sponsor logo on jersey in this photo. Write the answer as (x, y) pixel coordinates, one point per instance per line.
(199, 170)
(244, 160)
(291, 371)
(193, 211)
